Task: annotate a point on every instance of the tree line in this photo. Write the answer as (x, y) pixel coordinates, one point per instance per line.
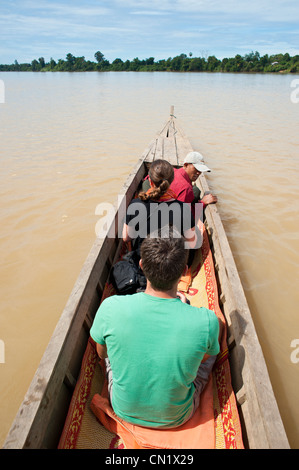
(251, 62)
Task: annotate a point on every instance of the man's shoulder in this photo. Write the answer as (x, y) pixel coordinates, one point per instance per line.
(120, 299)
(203, 313)
(179, 174)
(123, 301)
(180, 183)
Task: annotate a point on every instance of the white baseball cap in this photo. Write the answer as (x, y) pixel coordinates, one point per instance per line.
(197, 160)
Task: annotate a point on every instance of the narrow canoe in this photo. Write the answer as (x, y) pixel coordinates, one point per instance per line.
(41, 417)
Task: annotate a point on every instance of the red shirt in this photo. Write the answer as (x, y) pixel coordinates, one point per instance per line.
(182, 185)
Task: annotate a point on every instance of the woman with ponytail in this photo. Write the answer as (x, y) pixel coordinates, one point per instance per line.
(158, 209)
(161, 175)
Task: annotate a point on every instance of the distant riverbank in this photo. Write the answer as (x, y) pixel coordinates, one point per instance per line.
(250, 63)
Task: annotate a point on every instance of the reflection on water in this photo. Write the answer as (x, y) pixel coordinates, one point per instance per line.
(68, 142)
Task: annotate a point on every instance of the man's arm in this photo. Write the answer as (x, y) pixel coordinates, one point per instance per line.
(193, 238)
(125, 234)
(185, 194)
(102, 350)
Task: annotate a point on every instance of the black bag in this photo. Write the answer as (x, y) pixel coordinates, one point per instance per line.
(126, 275)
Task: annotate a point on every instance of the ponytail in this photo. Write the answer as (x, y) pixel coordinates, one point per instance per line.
(161, 174)
(156, 192)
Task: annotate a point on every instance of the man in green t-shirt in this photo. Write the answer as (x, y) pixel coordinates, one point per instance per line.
(161, 350)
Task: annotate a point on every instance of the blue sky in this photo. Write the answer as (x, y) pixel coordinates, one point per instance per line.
(126, 29)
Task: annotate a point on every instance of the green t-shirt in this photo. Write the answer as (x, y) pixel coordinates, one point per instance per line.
(155, 347)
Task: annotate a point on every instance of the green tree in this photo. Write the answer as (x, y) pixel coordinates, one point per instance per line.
(176, 63)
(79, 63)
(89, 66)
(135, 64)
(223, 63)
(70, 61)
(197, 64)
(161, 65)
(42, 62)
(117, 65)
(61, 65)
(252, 57)
(229, 65)
(264, 60)
(102, 63)
(150, 61)
(99, 57)
(212, 63)
(126, 65)
(35, 66)
(52, 64)
(238, 63)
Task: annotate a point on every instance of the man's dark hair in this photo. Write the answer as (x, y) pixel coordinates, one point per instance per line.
(163, 260)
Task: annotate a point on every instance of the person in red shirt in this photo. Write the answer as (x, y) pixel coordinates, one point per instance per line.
(186, 175)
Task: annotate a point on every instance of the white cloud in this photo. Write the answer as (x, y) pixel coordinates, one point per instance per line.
(21, 24)
(149, 13)
(144, 28)
(265, 10)
(66, 9)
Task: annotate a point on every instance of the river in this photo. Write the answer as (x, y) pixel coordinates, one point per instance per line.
(67, 143)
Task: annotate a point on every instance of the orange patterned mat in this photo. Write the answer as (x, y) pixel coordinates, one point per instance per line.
(82, 430)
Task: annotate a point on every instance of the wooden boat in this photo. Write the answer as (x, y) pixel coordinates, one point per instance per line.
(42, 414)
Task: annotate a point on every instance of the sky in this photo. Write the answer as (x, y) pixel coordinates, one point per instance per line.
(126, 29)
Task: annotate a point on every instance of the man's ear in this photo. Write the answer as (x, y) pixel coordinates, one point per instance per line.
(140, 263)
